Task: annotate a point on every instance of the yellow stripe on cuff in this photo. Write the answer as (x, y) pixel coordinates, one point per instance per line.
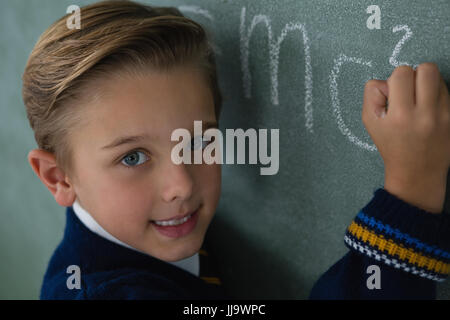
(394, 249)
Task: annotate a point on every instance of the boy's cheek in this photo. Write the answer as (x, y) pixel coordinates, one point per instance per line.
(213, 177)
(209, 185)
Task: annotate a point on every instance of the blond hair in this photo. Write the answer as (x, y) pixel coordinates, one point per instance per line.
(114, 36)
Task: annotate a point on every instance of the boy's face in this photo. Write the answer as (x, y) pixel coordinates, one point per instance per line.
(128, 187)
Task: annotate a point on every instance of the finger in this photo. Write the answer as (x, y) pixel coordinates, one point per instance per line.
(428, 85)
(375, 98)
(401, 88)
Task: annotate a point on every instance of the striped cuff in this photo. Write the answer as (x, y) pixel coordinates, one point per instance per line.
(402, 236)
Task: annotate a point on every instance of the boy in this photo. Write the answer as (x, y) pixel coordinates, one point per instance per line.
(103, 102)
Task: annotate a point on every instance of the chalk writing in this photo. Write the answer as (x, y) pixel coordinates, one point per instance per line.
(274, 53)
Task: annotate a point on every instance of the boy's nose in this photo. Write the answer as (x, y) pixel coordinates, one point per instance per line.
(177, 182)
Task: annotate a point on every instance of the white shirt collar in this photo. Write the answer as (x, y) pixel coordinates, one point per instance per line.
(191, 264)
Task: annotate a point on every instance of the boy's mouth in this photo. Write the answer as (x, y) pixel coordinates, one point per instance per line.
(173, 222)
(178, 226)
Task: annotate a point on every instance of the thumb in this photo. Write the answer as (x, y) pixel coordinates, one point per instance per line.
(375, 100)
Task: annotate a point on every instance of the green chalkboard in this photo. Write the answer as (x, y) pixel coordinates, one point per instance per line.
(297, 66)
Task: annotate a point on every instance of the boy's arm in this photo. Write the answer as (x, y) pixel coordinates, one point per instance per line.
(398, 251)
(401, 230)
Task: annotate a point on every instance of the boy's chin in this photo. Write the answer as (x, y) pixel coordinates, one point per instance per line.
(181, 251)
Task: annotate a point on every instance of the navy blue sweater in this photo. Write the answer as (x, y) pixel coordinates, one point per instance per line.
(409, 246)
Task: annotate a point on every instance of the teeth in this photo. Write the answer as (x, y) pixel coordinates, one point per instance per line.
(174, 222)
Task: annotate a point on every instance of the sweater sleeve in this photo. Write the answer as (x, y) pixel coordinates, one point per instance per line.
(397, 251)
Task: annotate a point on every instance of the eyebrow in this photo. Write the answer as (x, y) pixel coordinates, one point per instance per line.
(125, 140)
(137, 138)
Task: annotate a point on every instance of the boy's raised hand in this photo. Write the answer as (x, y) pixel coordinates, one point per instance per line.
(412, 134)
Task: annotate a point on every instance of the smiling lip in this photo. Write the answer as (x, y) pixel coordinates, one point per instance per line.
(180, 228)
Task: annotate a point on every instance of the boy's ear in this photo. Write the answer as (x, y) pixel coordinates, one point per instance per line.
(44, 165)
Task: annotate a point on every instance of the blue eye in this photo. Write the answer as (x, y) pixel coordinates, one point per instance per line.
(134, 159)
(198, 142)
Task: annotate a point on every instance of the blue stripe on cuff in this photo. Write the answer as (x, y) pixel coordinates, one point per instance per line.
(405, 238)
